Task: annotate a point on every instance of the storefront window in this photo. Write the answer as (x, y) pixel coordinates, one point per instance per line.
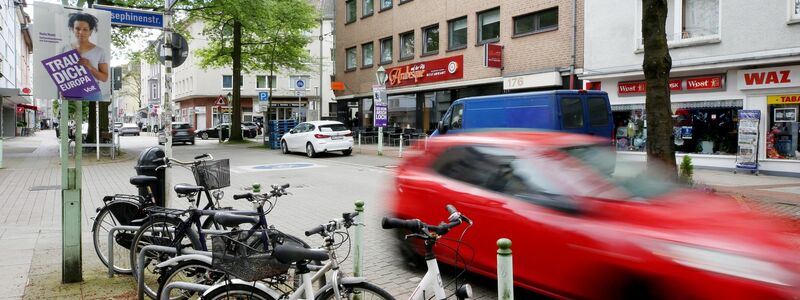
(783, 131)
(436, 104)
(402, 111)
(366, 111)
(704, 127)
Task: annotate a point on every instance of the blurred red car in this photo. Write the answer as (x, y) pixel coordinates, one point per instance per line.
(578, 232)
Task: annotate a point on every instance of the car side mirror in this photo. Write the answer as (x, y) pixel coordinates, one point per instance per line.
(442, 127)
(292, 131)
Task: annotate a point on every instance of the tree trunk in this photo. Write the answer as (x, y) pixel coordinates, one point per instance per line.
(656, 65)
(236, 117)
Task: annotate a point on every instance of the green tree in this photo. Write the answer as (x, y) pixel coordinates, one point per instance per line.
(266, 35)
(656, 65)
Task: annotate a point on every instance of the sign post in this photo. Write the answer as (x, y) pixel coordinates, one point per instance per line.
(381, 113)
(220, 103)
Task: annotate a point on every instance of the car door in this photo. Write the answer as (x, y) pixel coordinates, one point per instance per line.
(292, 137)
(496, 188)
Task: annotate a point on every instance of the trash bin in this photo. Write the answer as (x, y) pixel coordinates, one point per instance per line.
(146, 166)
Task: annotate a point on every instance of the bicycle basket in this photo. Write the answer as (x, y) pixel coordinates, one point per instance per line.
(232, 254)
(213, 174)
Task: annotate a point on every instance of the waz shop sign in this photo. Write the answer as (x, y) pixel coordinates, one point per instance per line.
(427, 71)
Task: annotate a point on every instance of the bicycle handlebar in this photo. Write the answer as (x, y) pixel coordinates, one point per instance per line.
(169, 160)
(346, 220)
(418, 227)
(243, 196)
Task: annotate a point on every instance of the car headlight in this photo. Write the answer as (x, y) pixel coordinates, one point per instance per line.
(725, 263)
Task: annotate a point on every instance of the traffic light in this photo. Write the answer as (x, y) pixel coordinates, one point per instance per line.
(116, 74)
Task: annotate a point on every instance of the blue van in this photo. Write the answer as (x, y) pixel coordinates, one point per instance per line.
(576, 111)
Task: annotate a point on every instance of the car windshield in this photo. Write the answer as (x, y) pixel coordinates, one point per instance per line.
(181, 126)
(635, 179)
(332, 127)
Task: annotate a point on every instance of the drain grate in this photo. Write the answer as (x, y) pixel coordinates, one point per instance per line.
(44, 188)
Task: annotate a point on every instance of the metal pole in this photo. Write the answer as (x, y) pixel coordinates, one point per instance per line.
(97, 128)
(2, 132)
(505, 270)
(71, 261)
(321, 33)
(380, 140)
(401, 146)
(167, 106)
(359, 142)
(358, 240)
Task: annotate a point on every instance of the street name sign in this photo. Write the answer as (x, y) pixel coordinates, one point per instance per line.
(133, 17)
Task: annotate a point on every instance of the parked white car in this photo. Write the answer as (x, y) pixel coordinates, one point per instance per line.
(318, 136)
(129, 128)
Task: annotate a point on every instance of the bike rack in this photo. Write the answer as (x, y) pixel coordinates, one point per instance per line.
(158, 248)
(135, 229)
(201, 288)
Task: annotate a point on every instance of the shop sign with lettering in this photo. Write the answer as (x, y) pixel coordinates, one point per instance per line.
(784, 99)
(427, 71)
(676, 85)
(779, 77)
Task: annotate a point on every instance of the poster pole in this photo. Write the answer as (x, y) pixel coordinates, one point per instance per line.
(167, 106)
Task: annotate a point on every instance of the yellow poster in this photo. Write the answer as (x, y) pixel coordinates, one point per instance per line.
(784, 99)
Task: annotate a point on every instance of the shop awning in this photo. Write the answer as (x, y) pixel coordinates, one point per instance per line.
(737, 103)
(28, 106)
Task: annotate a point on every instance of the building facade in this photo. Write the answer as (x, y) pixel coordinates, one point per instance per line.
(152, 85)
(196, 91)
(433, 52)
(17, 109)
(726, 56)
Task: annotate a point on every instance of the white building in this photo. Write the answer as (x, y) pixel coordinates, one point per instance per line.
(196, 90)
(726, 56)
(15, 49)
(152, 84)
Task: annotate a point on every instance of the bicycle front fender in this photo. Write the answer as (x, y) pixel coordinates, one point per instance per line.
(175, 260)
(258, 285)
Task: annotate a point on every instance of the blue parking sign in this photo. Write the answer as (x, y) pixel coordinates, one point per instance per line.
(263, 96)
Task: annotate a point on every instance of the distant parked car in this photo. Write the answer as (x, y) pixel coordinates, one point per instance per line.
(214, 132)
(117, 126)
(252, 126)
(181, 132)
(318, 136)
(129, 128)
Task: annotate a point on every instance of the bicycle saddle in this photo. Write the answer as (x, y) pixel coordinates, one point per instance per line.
(142, 180)
(185, 188)
(291, 254)
(232, 220)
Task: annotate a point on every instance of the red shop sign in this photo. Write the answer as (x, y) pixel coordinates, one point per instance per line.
(640, 87)
(427, 71)
(493, 56)
(704, 83)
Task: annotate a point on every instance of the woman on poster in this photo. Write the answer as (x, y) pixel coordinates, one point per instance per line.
(93, 57)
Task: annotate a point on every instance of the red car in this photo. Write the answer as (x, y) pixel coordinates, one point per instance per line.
(579, 232)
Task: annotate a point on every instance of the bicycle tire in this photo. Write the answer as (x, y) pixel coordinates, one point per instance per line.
(238, 291)
(100, 229)
(141, 239)
(201, 272)
(366, 291)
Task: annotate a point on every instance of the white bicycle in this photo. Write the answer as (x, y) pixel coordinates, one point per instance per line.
(430, 234)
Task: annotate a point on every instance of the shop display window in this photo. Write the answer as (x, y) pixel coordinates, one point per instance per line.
(783, 131)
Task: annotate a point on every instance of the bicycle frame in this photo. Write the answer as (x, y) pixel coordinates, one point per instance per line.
(432, 278)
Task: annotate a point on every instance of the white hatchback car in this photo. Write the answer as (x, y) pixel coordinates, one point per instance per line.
(318, 136)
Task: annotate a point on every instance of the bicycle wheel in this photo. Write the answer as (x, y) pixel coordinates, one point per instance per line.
(154, 232)
(188, 271)
(238, 291)
(361, 290)
(103, 222)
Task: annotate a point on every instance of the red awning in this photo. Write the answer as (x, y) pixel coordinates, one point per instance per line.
(28, 106)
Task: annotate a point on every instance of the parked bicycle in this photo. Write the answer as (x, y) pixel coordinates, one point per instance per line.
(430, 234)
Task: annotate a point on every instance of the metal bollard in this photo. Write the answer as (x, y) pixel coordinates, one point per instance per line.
(505, 270)
(400, 153)
(357, 241)
(359, 142)
(426, 142)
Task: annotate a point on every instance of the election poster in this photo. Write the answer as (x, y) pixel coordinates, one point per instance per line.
(71, 52)
(747, 154)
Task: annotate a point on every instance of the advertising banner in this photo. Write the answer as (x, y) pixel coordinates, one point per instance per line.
(381, 106)
(427, 71)
(747, 156)
(71, 52)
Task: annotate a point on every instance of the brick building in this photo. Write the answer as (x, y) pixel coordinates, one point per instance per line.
(433, 52)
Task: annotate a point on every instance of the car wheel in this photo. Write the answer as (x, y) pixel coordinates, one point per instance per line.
(192, 141)
(310, 151)
(347, 152)
(204, 135)
(284, 147)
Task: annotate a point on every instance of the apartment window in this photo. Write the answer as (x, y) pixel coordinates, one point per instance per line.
(367, 52)
(688, 22)
(794, 10)
(536, 22)
(368, 8)
(227, 81)
(386, 50)
(351, 58)
(430, 38)
(265, 82)
(350, 6)
(489, 26)
(457, 33)
(407, 45)
(386, 4)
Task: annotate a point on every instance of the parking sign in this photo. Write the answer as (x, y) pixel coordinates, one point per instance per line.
(263, 96)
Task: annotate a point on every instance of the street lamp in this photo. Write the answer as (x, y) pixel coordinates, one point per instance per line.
(229, 96)
(380, 76)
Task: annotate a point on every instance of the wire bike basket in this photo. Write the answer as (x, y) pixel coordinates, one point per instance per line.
(232, 253)
(213, 174)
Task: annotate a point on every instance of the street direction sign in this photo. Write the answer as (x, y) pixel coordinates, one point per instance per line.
(220, 101)
(263, 96)
(171, 4)
(133, 17)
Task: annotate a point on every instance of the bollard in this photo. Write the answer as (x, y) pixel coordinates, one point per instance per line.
(505, 270)
(357, 241)
(400, 153)
(256, 188)
(359, 142)
(426, 142)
